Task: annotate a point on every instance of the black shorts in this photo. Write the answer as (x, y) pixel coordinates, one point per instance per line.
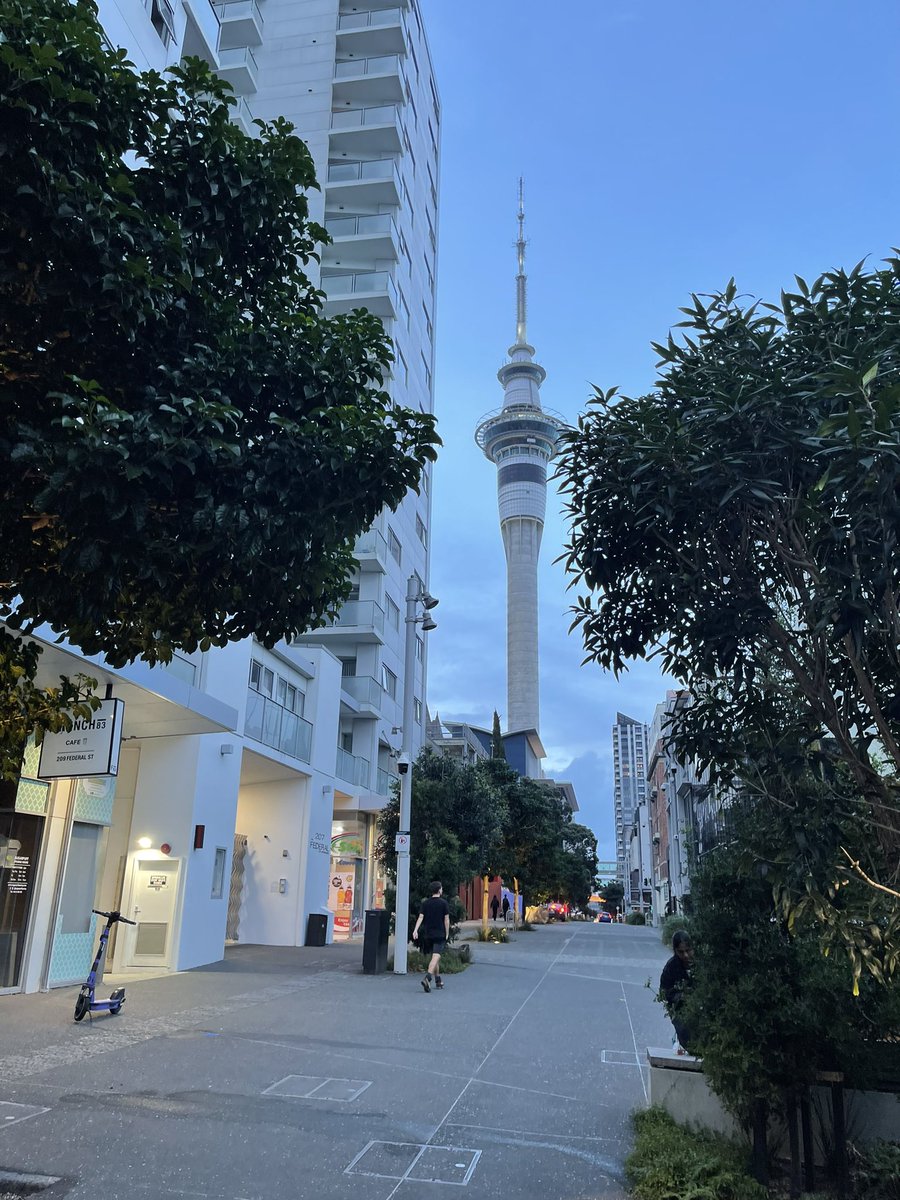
(434, 945)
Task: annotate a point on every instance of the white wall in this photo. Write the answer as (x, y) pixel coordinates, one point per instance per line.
(273, 817)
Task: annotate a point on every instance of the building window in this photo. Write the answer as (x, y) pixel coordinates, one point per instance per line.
(291, 697)
(393, 611)
(162, 18)
(394, 546)
(218, 879)
(348, 668)
(421, 532)
(418, 711)
(389, 682)
(420, 650)
(262, 680)
(402, 368)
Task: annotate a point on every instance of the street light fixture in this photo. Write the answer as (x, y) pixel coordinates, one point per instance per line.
(419, 602)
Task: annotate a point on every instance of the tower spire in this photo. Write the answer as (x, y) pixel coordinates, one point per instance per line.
(521, 335)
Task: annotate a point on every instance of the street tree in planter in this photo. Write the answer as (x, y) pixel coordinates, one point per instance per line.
(188, 448)
(740, 523)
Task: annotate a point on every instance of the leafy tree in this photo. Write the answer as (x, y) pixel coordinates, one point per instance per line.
(611, 896)
(497, 748)
(456, 819)
(740, 523)
(189, 449)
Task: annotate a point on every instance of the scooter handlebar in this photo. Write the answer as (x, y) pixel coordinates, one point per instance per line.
(113, 916)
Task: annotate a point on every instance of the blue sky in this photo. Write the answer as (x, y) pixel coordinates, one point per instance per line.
(665, 148)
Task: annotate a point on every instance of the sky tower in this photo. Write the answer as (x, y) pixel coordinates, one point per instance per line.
(521, 439)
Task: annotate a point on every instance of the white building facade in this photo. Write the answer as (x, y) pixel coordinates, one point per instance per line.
(250, 779)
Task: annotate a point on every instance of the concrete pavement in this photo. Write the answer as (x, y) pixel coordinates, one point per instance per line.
(288, 1073)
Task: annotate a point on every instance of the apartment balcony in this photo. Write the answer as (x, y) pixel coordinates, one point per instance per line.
(370, 237)
(383, 781)
(352, 768)
(243, 117)
(240, 24)
(238, 67)
(366, 691)
(377, 79)
(380, 31)
(370, 131)
(273, 725)
(371, 552)
(373, 290)
(371, 182)
(357, 621)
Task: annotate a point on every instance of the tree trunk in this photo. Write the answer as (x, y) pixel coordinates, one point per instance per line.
(486, 887)
(516, 909)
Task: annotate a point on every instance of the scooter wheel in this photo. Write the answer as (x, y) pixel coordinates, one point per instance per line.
(82, 1004)
(114, 1010)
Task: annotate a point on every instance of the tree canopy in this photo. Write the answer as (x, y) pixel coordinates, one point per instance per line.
(487, 819)
(189, 448)
(740, 522)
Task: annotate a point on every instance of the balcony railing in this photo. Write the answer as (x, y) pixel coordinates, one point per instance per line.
(376, 168)
(239, 67)
(363, 283)
(352, 768)
(274, 725)
(350, 118)
(359, 20)
(381, 64)
(383, 781)
(364, 689)
(377, 223)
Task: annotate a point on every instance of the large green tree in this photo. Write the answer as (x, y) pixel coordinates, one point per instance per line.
(188, 447)
(741, 523)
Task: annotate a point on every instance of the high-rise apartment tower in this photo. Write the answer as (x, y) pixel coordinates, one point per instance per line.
(630, 787)
(521, 439)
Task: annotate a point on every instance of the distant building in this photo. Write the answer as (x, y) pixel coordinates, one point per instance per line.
(629, 739)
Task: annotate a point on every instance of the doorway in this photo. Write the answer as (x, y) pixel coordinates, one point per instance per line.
(20, 843)
(153, 900)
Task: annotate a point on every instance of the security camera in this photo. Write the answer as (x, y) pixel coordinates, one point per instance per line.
(403, 764)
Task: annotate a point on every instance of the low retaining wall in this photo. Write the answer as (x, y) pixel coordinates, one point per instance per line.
(678, 1085)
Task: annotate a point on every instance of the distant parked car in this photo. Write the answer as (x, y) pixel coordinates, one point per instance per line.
(604, 919)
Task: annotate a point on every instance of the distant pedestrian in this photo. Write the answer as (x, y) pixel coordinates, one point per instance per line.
(495, 907)
(674, 983)
(505, 909)
(434, 921)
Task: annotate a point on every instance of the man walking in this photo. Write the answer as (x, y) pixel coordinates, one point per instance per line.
(434, 921)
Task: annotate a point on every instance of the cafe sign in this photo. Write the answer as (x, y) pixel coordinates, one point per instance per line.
(90, 747)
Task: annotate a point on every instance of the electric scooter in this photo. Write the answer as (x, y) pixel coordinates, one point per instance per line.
(86, 1002)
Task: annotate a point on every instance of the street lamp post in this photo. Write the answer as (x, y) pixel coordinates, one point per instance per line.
(418, 606)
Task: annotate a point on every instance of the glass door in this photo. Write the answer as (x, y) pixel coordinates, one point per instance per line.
(20, 842)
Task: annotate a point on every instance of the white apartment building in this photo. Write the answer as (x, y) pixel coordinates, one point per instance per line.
(250, 779)
(629, 738)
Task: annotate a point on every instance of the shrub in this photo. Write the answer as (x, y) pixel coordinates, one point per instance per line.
(453, 960)
(526, 927)
(670, 927)
(670, 1162)
(876, 1170)
(636, 919)
(492, 935)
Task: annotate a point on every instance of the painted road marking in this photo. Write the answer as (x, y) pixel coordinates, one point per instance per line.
(11, 1113)
(318, 1087)
(619, 1058)
(453, 1165)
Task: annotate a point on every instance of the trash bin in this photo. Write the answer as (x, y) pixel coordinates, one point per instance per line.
(316, 929)
(375, 941)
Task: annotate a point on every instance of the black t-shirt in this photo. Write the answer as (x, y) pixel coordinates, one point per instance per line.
(433, 912)
(675, 978)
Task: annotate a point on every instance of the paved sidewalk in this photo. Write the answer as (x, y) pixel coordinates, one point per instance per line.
(289, 1073)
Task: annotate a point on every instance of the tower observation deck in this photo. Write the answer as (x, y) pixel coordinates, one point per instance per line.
(520, 439)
